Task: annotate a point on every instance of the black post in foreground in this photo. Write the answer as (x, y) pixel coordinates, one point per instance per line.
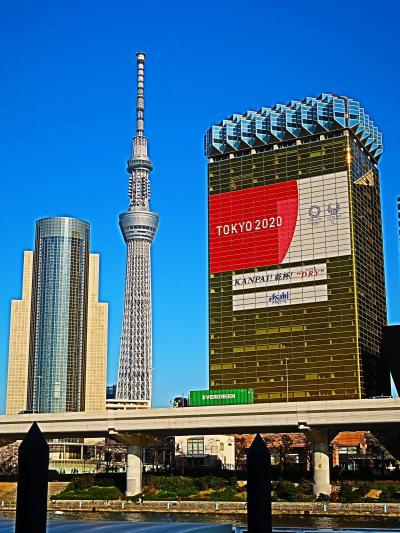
(33, 466)
(259, 511)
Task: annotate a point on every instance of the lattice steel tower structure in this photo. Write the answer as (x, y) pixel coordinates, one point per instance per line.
(138, 226)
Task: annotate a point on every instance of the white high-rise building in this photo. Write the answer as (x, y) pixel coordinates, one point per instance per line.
(138, 225)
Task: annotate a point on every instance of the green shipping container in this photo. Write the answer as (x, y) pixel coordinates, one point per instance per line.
(198, 398)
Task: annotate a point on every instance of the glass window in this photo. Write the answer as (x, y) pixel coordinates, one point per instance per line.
(195, 446)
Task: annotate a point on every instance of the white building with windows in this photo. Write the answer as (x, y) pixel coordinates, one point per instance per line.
(206, 451)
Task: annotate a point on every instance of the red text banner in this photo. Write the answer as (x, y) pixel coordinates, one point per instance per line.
(287, 222)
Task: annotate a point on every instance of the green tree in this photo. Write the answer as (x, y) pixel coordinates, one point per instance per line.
(363, 489)
(389, 494)
(285, 490)
(348, 495)
(83, 481)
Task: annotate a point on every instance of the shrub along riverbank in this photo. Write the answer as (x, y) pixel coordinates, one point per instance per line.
(87, 487)
(213, 488)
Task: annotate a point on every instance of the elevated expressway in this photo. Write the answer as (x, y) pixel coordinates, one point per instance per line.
(314, 418)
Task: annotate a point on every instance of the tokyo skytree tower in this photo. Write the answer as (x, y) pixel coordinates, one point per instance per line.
(138, 226)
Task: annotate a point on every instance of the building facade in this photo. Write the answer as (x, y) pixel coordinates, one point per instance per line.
(296, 276)
(205, 451)
(361, 450)
(284, 448)
(58, 331)
(138, 226)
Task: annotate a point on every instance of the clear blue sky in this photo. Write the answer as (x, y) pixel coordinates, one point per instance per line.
(67, 98)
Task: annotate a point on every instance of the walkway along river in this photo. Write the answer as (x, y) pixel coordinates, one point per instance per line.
(220, 508)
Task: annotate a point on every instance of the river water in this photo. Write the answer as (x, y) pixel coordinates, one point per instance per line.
(315, 522)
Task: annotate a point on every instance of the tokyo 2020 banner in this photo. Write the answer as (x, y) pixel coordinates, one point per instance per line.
(282, 223)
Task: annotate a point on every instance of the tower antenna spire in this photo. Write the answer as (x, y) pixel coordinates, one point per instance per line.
(140, 59)
(138, 225)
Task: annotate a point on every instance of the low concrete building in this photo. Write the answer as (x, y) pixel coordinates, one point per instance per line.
(206, 451)
(358, 450)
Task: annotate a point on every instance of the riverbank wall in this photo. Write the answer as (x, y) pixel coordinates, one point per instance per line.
(203, 507)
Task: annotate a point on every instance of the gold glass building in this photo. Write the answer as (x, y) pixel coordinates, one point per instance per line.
(296, 276)
(58, 330)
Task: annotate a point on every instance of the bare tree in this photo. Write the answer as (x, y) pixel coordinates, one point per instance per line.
(378, 452)
(241, 444)
(9, 459)
(280, 445)
(112, 453)
(159, 451)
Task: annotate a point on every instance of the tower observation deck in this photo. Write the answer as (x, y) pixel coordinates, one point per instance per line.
(138, 226)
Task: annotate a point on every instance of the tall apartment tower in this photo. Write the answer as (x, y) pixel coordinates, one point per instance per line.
(138, 226)
(296, 276)
(58, 330)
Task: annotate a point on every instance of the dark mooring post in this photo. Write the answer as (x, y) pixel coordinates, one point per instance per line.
(33, 466)
(259, 511)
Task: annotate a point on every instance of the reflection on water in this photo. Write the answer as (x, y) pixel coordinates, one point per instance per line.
(317, 522)
(336, 522)
(143, 517)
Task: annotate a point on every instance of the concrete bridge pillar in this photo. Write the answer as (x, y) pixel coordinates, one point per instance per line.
(134, 464)
(134, 467)
(320, 446)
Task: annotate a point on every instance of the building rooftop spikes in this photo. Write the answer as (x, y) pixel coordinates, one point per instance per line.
(296, 120)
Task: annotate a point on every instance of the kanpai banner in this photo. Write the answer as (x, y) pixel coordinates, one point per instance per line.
(279, 276)
(287, 222)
